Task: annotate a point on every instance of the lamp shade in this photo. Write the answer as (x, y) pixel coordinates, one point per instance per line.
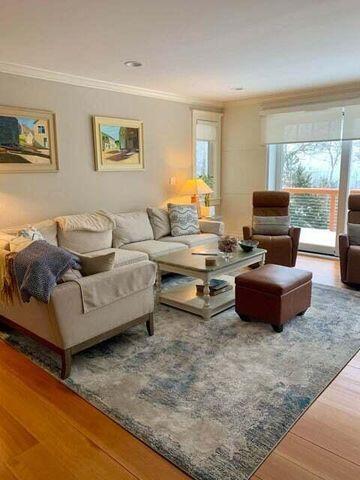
(195, 186)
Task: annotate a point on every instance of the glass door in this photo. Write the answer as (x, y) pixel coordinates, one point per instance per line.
(310, 172)
(354, 182)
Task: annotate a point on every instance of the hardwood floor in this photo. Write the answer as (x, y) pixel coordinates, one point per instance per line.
(48, 432)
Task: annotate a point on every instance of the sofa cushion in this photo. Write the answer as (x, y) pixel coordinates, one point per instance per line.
(99, 221)
(160, 222)
(192, 240)
(155, 248)
(279, 248)
(96, 264)
(184, 219)
(83, 241)
(122, 257)
(131, 227)
(48, 229)
(353, 264)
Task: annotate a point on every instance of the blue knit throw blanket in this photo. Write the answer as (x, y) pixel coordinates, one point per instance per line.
(39, 267)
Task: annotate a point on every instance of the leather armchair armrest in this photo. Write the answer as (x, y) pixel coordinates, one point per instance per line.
(247, 233)
(344, 244)
(294, 233)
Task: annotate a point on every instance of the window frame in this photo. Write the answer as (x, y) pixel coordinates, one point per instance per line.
(213, 117)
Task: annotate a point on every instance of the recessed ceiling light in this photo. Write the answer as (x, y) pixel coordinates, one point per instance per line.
(237, 89)
(132, 63)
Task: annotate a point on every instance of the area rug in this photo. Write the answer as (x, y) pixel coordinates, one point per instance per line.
(214, 397)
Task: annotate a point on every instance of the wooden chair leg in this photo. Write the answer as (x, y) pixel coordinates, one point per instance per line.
(150, 325)
(65, 363)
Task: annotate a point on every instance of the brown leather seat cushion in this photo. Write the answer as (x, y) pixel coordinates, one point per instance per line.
(279, 248)
(275, 279)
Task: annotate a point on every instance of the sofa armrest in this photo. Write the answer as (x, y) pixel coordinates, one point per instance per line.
(344, 244)
(212, 226)
(103, 288)
(294, 233)
(247, 233)
(125, 294)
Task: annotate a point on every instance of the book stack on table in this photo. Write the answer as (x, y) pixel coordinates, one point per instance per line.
(216, 287)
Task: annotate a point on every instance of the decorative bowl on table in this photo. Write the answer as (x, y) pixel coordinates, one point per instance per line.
(248, 245)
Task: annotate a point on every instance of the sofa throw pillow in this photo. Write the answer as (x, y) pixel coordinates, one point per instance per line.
(184, 219)
(354, 233)
(160, 222)
(131, 227)
(32, 233)
(99, 264)
(24, 237)
(271, 225)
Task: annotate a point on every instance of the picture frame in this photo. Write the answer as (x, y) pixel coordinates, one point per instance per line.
(27, 141)
(118, 144)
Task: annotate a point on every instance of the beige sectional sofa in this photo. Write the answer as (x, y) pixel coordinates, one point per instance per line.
(62, 324)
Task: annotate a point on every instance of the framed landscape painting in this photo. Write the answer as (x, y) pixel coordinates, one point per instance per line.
(118, 144)
(27, 140)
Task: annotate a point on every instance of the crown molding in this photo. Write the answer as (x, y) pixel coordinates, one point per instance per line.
(304, 96)
(70, 79)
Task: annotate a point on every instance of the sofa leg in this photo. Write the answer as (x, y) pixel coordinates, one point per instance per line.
(150, 325)
(278, 328)
(245, 318)
(65, 363)
(300, 314)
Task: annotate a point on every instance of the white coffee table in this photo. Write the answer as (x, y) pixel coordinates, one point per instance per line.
(188, 263)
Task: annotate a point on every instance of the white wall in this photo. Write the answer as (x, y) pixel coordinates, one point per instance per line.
(243, 164)
(77, 187)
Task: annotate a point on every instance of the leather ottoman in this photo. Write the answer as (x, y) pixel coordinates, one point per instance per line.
(273, 294)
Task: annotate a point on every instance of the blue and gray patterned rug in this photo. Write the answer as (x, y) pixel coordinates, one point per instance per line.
(215, 397)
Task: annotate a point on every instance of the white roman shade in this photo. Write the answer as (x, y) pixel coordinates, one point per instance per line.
(313, 125)
(351, 130)
(206, 130)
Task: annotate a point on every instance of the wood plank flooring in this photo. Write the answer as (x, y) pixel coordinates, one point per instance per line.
(48, 432)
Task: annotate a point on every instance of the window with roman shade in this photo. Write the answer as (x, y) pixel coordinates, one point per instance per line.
(314, 154)
(207, 150)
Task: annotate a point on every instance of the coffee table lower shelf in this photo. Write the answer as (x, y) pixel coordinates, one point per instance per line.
(184, 297)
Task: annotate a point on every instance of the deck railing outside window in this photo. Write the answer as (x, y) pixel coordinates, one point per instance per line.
(314, 207)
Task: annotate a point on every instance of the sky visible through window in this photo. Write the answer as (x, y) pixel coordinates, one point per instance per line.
(317, 165)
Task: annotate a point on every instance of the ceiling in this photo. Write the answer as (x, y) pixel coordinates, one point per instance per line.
(191, 48)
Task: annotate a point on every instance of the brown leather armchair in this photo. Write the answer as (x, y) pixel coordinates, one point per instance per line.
(281, 249)
(350, 254)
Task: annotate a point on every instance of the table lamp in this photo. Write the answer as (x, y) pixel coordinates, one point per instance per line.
(195, 187)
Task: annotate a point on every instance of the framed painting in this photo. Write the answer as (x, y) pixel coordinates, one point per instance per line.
(118, 144)
(27, 141)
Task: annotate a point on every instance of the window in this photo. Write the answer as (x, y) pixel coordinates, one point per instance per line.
(310, 172)
(41, 129)
(314, 154)
(207, 150)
